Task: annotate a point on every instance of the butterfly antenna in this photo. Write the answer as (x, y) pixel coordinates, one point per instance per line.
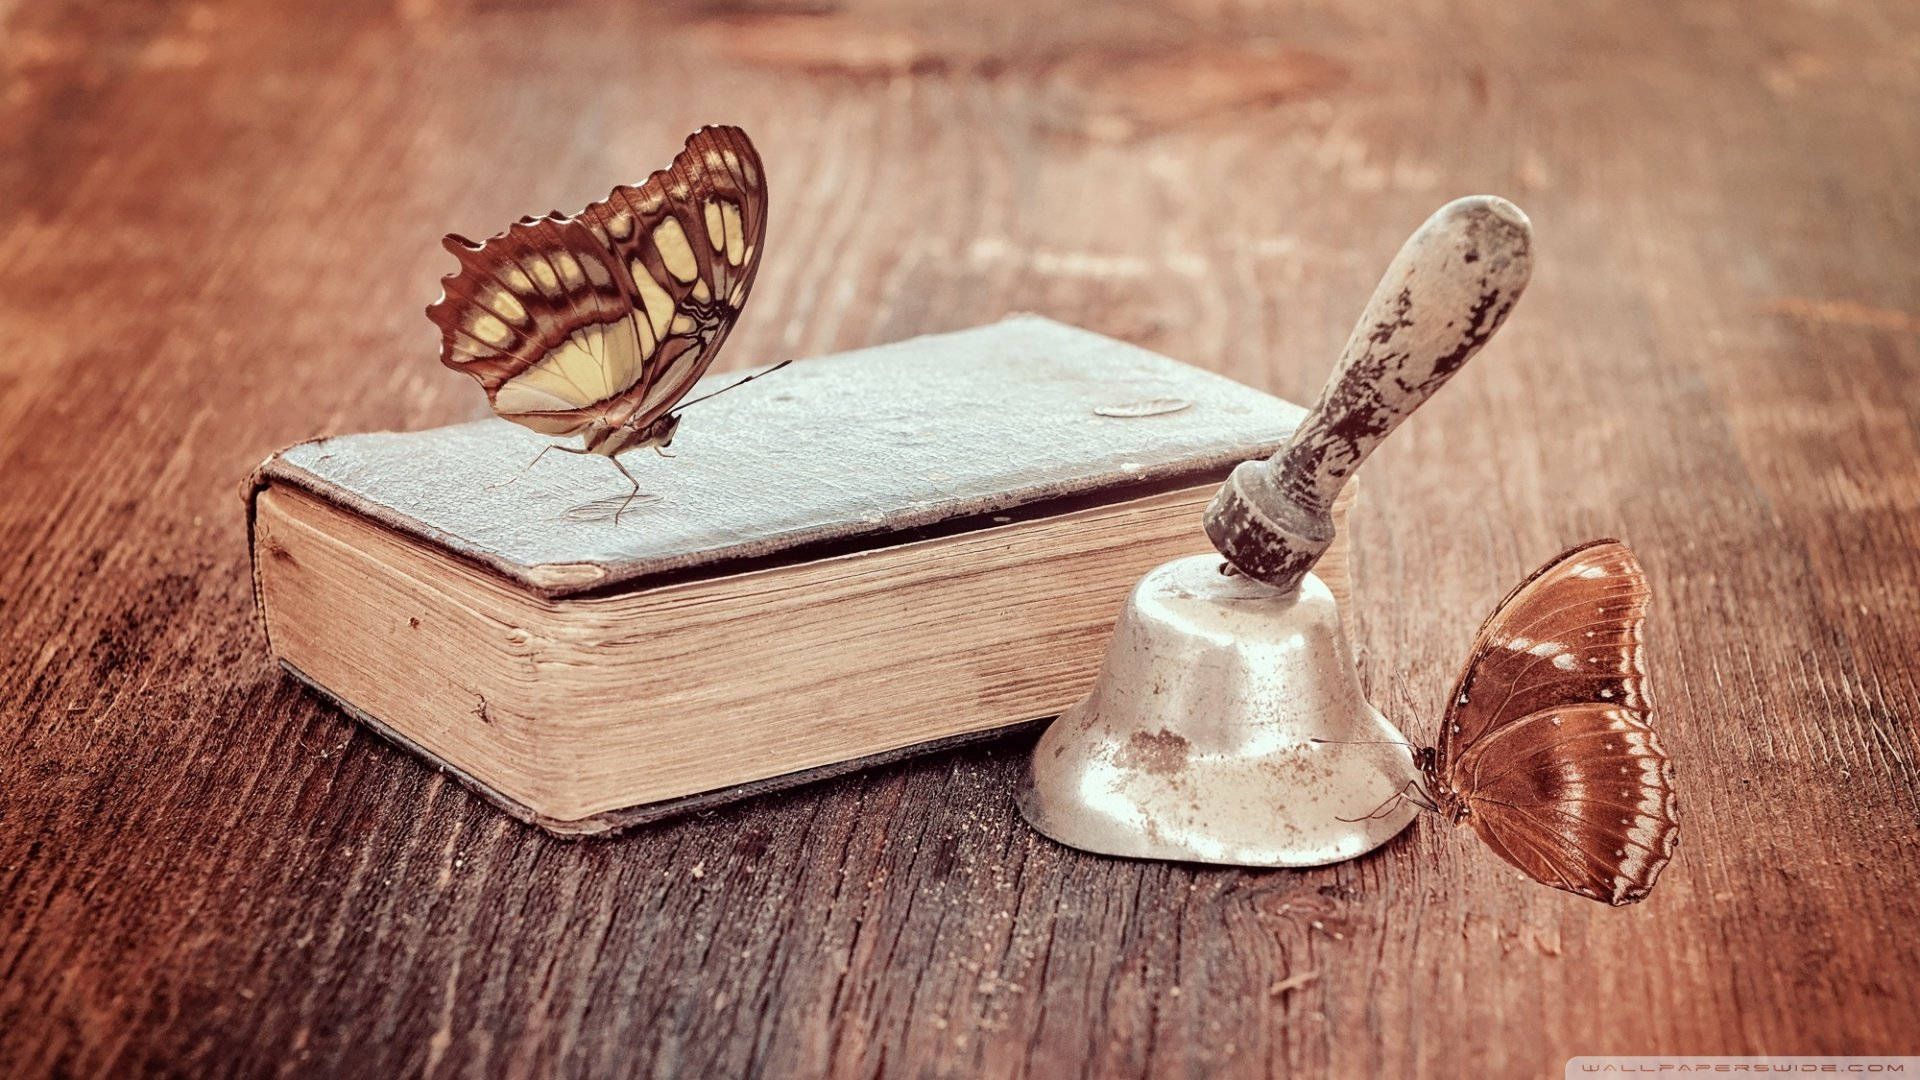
(1402, 743)
(682, 407)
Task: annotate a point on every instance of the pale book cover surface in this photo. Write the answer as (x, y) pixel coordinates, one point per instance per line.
(865, 443)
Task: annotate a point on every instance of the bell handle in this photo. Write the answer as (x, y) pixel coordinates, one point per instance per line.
(1442, 297)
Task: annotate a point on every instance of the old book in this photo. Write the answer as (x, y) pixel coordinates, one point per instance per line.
(859, 557)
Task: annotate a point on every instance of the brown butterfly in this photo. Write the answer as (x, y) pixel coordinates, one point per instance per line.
(598, 324)
(1547, 747)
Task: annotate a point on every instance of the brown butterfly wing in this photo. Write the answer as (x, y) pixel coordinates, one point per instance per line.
(690, 238)
(530, 315)
(1549, 723)
(1569, 633)
(1580, 798)
(609, 318)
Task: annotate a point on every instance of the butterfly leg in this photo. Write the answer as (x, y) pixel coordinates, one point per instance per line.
(529, 466)
(1422, 799)
(1387, 805)
(631, 495)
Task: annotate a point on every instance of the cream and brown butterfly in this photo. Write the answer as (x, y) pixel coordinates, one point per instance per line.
(598, 324)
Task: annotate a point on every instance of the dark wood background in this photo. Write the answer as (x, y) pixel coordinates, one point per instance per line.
(219, 224)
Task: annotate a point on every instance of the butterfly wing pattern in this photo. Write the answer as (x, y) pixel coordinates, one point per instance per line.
(598, 324)
(1547, 749)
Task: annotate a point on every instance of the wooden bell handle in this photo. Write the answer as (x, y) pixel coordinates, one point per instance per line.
(1444, 295)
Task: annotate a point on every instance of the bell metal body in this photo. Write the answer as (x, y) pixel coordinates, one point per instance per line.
(1227, 726)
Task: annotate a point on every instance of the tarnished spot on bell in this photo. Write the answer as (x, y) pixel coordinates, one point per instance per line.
(1228, 724)
(1199, 741)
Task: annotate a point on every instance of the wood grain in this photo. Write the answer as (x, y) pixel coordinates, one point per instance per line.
(218, 228)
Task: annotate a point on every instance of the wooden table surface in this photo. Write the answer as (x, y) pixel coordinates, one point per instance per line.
(219, 223)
